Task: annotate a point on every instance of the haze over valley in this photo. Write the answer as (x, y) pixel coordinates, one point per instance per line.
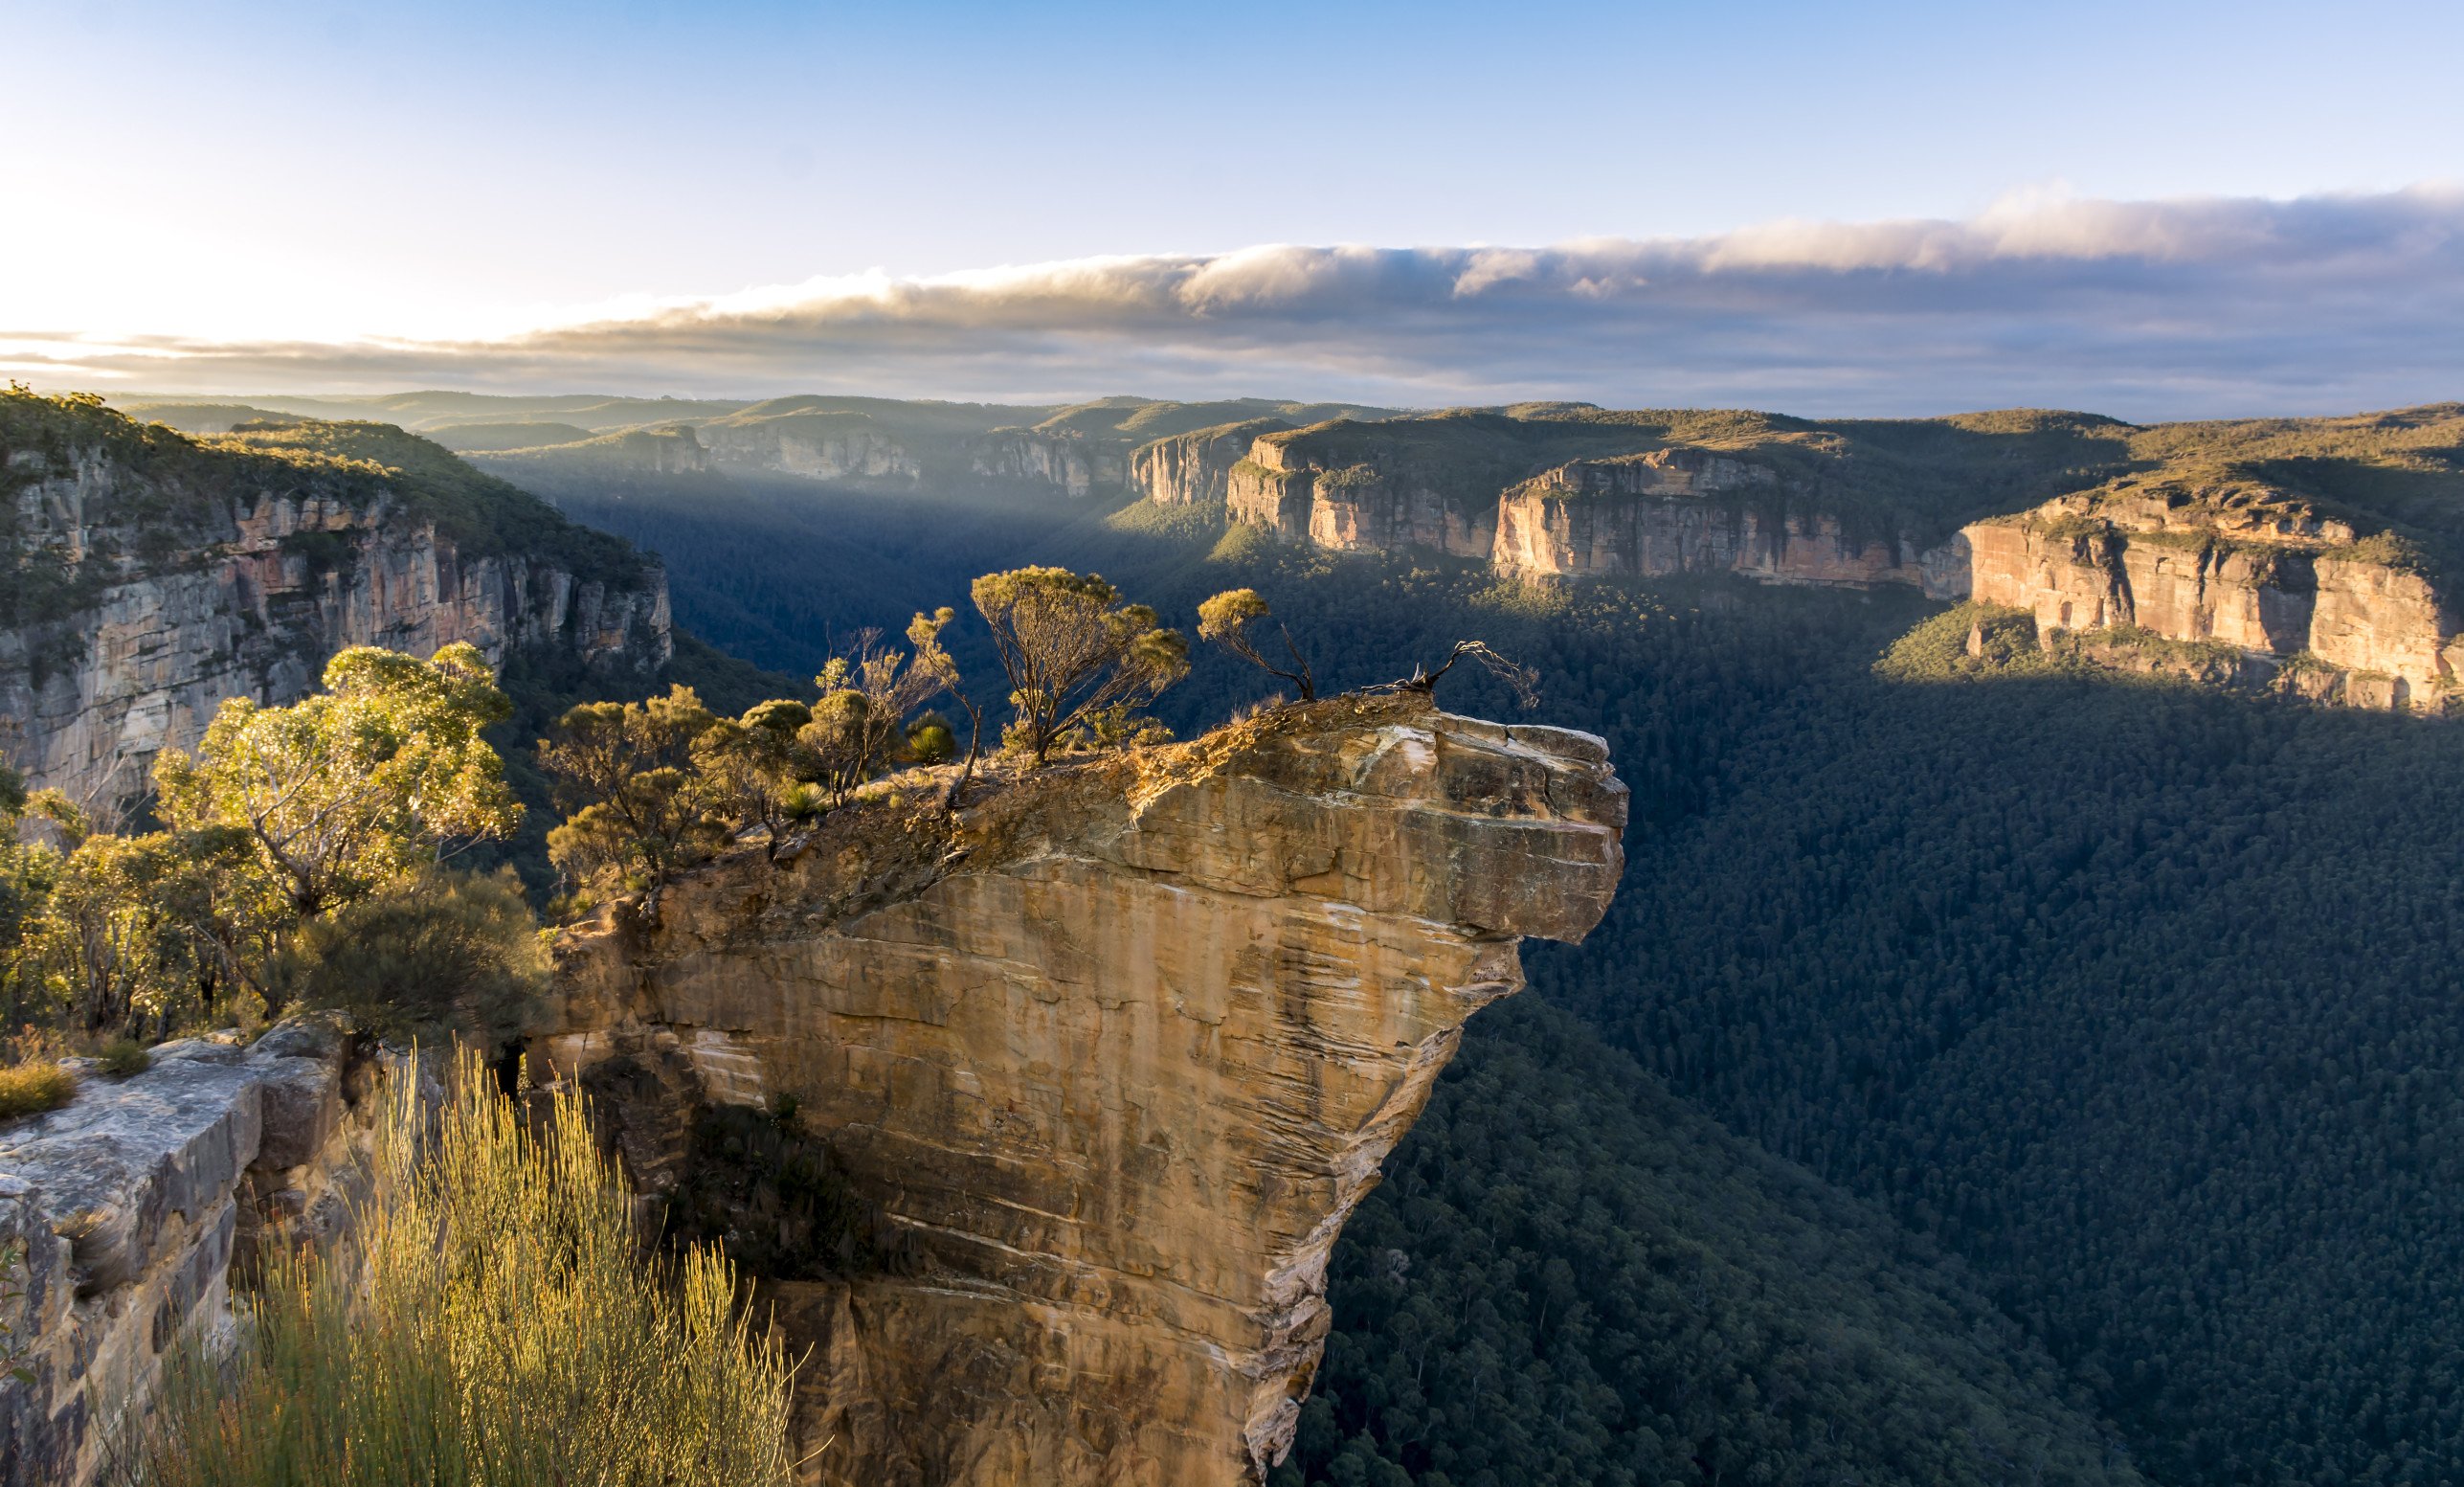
(1627, 746)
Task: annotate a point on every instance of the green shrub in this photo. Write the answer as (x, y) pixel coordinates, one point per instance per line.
(32, 1087)
(448, 954)
(499, 1330)
(123, 1057)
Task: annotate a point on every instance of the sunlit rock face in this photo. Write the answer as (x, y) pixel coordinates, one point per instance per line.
(1118, 1048)
(2275, 586)
(1196, 468)
(1363, 506)
(1683, 510)
(252, 605)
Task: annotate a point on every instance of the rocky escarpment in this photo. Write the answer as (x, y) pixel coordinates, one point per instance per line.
(2250, 568)
(1115, 1050)
(1196, 468)
(1059, 458)
(818, 445)
(1685, 510)
(139, 1202)
(1370, 505)
(176, 575)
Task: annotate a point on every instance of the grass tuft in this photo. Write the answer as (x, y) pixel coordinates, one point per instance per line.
(33, 1087)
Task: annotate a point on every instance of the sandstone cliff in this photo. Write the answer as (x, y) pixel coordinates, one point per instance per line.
(1683, 510)
(1196, 468)
(2243, 567)
(178, 574)
(136, 1201)
(1370, 505)
(818, 445)
(1077, 465)
(1118, 1049)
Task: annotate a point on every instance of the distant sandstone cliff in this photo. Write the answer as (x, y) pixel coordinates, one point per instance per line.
(180, 575)
(2227, 559)
(2269, 578)
(1118, 1051)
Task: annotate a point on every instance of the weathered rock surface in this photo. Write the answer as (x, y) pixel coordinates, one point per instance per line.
(1365, 507)
(1118, 1049)
(1683, 510)
(1196, 468)
(135, 1201)
(2275, 585)
(818, 445)
(255, 600)
(1060, 458)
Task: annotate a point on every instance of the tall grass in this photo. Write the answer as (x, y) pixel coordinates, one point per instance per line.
(499, 1329)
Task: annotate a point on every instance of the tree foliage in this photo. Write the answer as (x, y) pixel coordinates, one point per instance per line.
(1076, 655)
(381, 774)
(1226, 619)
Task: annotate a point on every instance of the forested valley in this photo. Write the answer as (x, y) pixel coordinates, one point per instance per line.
(2132, 1002)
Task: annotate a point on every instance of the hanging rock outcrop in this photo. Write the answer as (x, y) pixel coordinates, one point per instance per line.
(1114, 1051)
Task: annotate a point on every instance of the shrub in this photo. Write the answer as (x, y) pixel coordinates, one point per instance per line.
(32, 1087)
(448, 954)
(123, 1057)
(498, 1330)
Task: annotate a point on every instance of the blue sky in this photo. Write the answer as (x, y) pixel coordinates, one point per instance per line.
(263, 173)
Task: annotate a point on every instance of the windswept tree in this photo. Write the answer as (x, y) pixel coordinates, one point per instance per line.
(1521, 680)
(634, 798)
(867, 695)
(1077, 657)
(1226, 619)
(382, 775)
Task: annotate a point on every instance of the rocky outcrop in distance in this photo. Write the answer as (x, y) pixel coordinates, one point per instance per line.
(248, 594)
(2235, 564)
(138, 1203)
(2366, 631)
(1115, 1050)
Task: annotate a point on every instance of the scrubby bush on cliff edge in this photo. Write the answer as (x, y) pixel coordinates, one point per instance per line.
(499, 1332)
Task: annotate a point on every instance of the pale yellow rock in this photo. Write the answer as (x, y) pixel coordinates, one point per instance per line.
(1120, 1048)
(2272, 583)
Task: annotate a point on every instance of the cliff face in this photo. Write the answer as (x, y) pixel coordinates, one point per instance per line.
(1118, 1050)
(827, 446)
(136, 1201)
(1361, 508)
(1195, 469)
(2275, 583)
(1076, 466)
(1681, 510)
(263, 583)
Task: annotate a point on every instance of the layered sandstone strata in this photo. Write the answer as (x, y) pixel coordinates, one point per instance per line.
(1196, 468)
(1366, 506)
(1062, 459)
(1117, 1049)
(1683, 510)
(261, 590)
(2378, 635)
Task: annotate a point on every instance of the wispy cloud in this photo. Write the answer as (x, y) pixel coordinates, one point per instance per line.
(2145, 310)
